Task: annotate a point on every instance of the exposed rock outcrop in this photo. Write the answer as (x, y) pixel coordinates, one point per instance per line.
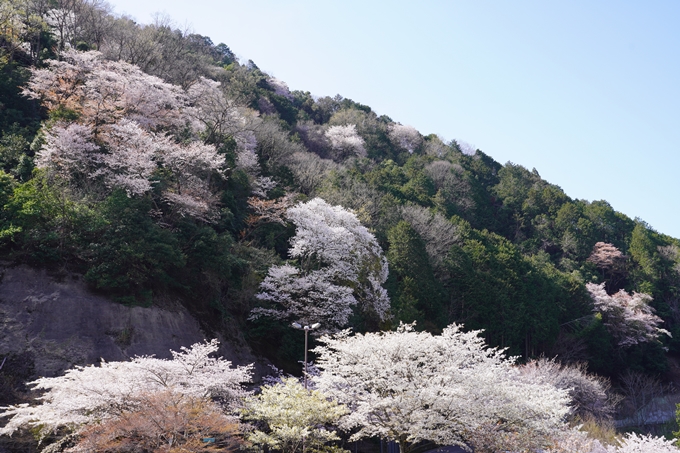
(60, 323)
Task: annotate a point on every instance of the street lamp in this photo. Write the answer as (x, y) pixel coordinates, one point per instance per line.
(306, 329)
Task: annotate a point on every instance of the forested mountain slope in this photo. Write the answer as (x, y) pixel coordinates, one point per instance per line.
(153, 162)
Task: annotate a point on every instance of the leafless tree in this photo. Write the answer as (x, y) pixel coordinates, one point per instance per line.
(438, 233)
(640, 393)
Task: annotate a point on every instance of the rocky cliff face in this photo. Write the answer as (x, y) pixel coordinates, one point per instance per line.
(60, 323)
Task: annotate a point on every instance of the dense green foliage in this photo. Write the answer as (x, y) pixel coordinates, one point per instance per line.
(516, 264)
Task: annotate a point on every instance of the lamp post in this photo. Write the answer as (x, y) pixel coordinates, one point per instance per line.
(306, 329)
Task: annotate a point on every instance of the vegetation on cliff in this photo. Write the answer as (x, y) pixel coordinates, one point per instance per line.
(152, 161)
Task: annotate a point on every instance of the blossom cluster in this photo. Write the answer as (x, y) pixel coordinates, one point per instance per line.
(416, 386)
(121, 132)
(341, 265)
(628, 317)
(346, 141)
(99, 392)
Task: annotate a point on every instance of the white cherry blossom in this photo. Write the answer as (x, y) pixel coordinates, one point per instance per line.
(341, 265)
(405, 137)
(628, 317)
(410, 386)
(346, 141)
(87, 394)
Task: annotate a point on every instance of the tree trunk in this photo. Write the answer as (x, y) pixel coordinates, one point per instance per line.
(404, 446)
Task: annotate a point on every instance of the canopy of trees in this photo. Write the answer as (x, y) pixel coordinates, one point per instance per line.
(412, 386)
(151, 161)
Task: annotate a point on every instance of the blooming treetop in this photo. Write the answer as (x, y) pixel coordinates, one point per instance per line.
(280, 88)
(87, 394)
(220, 117)
(629, 318)
(305, 298)
(406, 137)
(411, 386)
(606, 256)
(345, 140)
(633, 443)
(340, 263)
(104, 92)
(216, 114)
(119, 137)
(575, 441)
(247, 160)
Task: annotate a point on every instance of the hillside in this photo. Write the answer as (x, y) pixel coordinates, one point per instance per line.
(154, 164)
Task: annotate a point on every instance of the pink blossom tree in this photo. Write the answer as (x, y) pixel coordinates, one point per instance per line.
(610, 262)
(628, 317)
(122, 135)
(103, 91)
(280, 87)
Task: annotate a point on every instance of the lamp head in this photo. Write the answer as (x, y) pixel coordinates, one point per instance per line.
(316, 325)
(296, 325)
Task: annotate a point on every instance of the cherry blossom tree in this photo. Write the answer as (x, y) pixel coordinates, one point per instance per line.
(305, 298)
(340, 265)
(611, 263)
(634, 443)
(247, 160)
(345, 141)
(121, 134)
(217, 115)
(103, 91)
(220, 117)
(589, 393)
(628, 317)
(466, 148)
(406, 137)
(410, 386)
(84, 395)
(280, 88)
(607, 257)
(574, 441)
(495, 438)
(292, 415)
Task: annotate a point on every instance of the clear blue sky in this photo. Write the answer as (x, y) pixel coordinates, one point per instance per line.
(586, 92)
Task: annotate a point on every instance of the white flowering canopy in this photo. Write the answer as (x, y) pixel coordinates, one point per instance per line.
(120, 134)
(634, 443)
(628, 317)
(103, 91)
(405, 137)
(88, 394)
(411, 386)
(346, 140)
(280, 88)
(341, 265)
